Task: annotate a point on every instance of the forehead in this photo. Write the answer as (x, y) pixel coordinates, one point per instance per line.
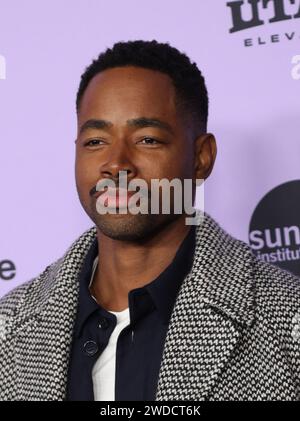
(128, 92)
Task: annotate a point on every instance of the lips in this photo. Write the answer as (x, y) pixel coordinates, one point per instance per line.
(116, 198)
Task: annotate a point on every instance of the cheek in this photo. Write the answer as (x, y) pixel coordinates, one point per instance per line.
(84, 176)
(185, 163)
(79, 171)
(85, 167)
(177, 165)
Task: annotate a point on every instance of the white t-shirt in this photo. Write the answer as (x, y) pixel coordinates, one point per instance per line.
(104, 370)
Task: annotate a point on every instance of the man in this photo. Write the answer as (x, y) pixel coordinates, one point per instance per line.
(143, 306)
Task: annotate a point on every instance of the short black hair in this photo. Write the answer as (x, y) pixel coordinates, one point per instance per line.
(190, 88)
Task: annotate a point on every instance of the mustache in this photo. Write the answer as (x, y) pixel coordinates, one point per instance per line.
(103, 183)
(93, 191)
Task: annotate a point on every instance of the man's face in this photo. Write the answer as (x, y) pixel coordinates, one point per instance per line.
(121, 98)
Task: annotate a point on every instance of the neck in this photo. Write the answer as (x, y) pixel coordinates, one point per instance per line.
(126, 265)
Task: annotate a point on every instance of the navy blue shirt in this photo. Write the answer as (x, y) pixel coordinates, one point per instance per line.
(140, 344)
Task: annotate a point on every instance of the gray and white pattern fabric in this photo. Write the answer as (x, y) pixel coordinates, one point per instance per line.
(234, 332)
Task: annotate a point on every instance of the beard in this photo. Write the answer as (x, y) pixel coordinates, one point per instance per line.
(130, 227)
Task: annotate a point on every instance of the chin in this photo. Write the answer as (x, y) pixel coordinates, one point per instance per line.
(123, 227)
(129, 227)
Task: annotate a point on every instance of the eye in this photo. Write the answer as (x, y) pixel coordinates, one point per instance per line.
(150, 141)
(93, 142)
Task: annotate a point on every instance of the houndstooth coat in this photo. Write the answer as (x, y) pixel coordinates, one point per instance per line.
(234, 333)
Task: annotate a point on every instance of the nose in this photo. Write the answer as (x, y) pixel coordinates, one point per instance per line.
(118, 159)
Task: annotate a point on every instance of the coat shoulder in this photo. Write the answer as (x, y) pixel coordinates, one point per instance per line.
(33, 293)
(27, 293)
(272, 285)
(277, 290)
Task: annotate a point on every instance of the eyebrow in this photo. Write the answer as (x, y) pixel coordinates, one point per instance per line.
(134, 122)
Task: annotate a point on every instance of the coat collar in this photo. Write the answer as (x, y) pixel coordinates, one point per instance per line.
(222, 273)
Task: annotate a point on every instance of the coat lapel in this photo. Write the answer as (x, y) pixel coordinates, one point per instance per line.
(43, 335)
(213, 306)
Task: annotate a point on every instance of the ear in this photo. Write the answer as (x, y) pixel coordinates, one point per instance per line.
(205, 155)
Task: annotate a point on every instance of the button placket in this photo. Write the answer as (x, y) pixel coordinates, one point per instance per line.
(90, 348)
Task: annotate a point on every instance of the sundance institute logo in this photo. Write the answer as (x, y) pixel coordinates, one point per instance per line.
(274, 232)
(163, 197)
(255, 13)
